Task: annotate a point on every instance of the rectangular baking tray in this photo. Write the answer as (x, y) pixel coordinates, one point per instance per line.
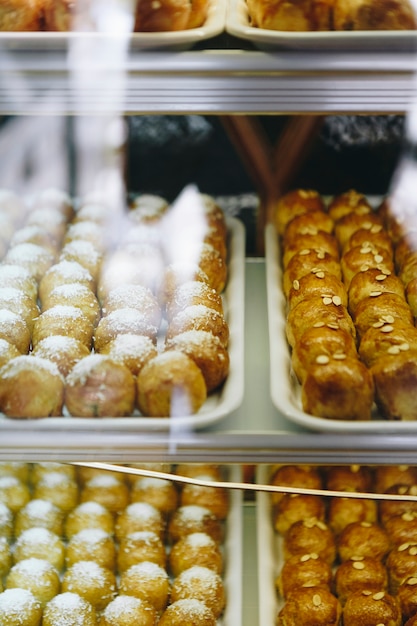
(239, 25)
(218, 405)
(172, 40)
(285, 389)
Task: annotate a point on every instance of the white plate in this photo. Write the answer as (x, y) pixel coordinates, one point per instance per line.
(218, 405)
(239, 25)
(285, 389)
(173, 40)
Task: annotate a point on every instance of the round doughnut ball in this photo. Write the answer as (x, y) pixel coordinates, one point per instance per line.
(216, 499)
(192, 293)
(121, 322)
(74, 294)
(316, 605)
(6, 521)
(13, 493)
(89, 514)
(40, 543)
(36, 259)
(132, 351)
(379, 607)
(107, 490)
(64, 273)
(91, 544)
(293, 203)
(31, 387)
(41, 513)
(59, 489)
(195, 549)
(136, 297)
(46, 467)
(69, 608)
(303, 570)
(188, 612)
(64, 351)
(5, 556)
(84, 253)
(176, 274)
(199, 317)
(147, 581)
(14, 329)
(139, 546)
(65, 320)
(19, 606)
(363, 539)
(200, 583)
(193, 518)
(91, 581)
(15, 468)
(139, 516)
(16, 276)
(170, 385)
(128, 611)
(97, 386)
(159, 492)
(38, 576)
(20, 303)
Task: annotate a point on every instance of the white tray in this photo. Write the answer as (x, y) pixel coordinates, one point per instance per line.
(239, 25)
(218, 405)
(173, 40)
(285, 389)
(270, 559)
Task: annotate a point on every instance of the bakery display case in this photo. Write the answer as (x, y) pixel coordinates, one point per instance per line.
(61, 114)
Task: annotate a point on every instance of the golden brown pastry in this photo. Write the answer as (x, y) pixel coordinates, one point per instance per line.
(392, 508)
(134, 297)
(40, 543)
(91, 544)
(138, 517)
(345, 511)
(146, 581)
(37, 576)
(193, 519)
(374, 15)
(126, 610)
(97, 386)
(63, 273)
(87, 230)
(18, 277)
(319, 283)
(401, 564)
(356, 220)
(402, 528)
(199, 317)
(14, 493)
(88, 514)
(39, 512)
(195, 549)
(375, 236)
(14, 330)
(308, 224)
(159, 492)
(322, 240)
(309, 536)
(200, 583)
(207, 352)
(187, 611)
(294, 476)
(359, 574)
(310, 605)
(407, 595)
(351, 201)
(412, 621)
(58, 488)
(395, 377)
(169, 385)
(121, 322)
(20, 303)
(191, 293)
(349, 478)
(8, 351)
(285, 16)
(66, 603)
(338, 390)
(169, 15)
(377, 311)
(91, 581)
(140, 546)
(65, 352)
(19, 606)
(316, 312)
(411, 295)
(175, 274)
(309, 260)
(18, 15)
(319, 345)
(303, 570)
(371, 283)
(34, 258)
(132, 351)
(294, 507)
(216, 499)
(84, 253)
(387, 339)
(31, 387)
(74, 294)
(107, 490)
(363, 257)
(363, 539)
(298, 201)
(371, 607)
(387, 476)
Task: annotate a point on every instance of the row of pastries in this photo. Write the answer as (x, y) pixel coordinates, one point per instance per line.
(106, 311)
(345, 560)
(349, 283)
(111, 549)
(90, 15)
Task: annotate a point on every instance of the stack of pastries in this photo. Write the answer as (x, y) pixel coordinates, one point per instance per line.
(345, 560)
(332, 15)
(350, 323)
(110, 549)
(105, 312)
(72, 15)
